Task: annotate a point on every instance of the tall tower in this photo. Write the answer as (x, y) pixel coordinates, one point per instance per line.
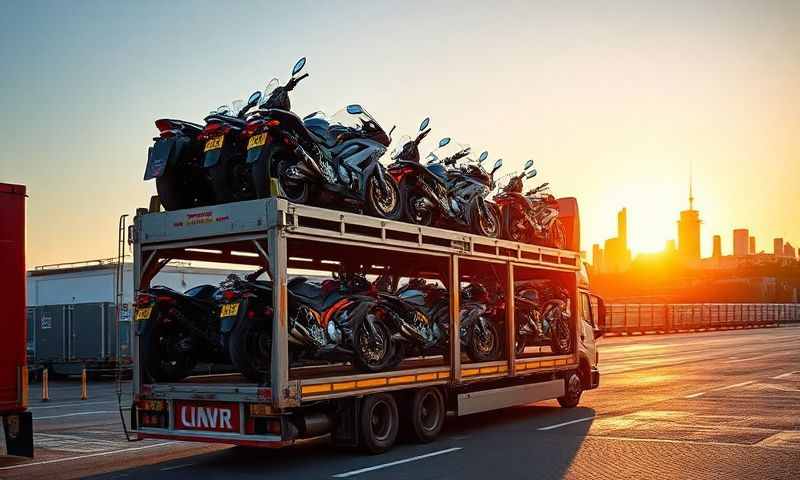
(689, 230)
(622, 227)
(752, 248)
(717, 252)
(777, 247)
(741, 242)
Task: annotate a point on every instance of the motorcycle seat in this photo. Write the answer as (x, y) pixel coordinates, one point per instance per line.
(320, 131)
(236, 121)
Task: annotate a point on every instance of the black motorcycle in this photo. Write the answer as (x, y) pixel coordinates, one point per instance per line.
(178, 331)
(263, 153)
(419, 313)
(175, 162)
(442, 196)
(532, 217)
(224, 152)
(334, 160)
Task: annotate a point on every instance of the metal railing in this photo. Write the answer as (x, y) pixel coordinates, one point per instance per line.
(663, 318)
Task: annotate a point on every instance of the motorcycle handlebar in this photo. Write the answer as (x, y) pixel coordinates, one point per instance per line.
(294, 81)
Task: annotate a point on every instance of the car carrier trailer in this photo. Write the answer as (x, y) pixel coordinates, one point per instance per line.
(357, 409)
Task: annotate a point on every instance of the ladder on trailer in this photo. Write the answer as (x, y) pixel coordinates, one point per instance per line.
(119, 301)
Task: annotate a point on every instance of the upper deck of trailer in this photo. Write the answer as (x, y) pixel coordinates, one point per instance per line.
(227, 232)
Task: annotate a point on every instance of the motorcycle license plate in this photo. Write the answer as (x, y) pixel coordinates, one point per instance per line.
(229, 310)
(214, 144)
(257, 140)
(143, 313)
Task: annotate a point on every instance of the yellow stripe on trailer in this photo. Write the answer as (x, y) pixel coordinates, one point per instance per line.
(402, 379)
(321, 388)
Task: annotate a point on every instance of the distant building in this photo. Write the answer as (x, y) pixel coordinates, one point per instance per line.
(777, 247)
(741, 242)
(752, 246)
(669, 248)
(689, 231)
(717, 250)
(597, 257)
(616, 255)
(789, 250)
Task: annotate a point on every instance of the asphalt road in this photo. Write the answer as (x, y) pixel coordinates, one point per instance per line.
(690, 406)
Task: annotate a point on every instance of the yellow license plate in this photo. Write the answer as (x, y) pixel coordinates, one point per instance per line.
(215, 143)
(143, 313)
(257, 140)
(229, 310)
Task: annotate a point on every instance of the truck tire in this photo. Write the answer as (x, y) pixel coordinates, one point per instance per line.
(426, 410)
(378, 423)
(573, 390)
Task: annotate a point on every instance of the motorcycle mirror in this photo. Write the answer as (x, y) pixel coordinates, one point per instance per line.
(484, 156)
(424, 124)
(444, 142)
(531, 174)
(354, 109)
(497, 165)
(254, 98)
(528, 164)
(392, 130)
(299, 66)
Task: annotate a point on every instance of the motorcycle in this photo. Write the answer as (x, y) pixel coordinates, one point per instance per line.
(223, 152)
(178, 330)
(337, 158)
(325, 322)
(175, 162)
(543, 313)
(436, 195)
(532, 217)
(419, 313)
(263, 154)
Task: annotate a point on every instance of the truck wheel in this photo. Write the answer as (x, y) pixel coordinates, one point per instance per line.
(574, 389)
(427, 413)
(379, 423)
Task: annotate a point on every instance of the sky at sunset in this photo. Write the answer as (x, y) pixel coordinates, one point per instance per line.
(613, 100)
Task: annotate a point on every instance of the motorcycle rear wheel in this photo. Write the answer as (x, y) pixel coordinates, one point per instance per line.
(389, 204)
(293, 190)
(513, 230)
(560, 331)
(250, 347)
(164, 358)
(172, 192)
(416, 215)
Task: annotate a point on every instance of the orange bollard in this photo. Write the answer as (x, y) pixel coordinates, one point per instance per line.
(84, 386)
(45, 388)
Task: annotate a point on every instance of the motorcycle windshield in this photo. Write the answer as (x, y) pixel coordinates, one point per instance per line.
(361, 124)
(268, 91)
(398, 150)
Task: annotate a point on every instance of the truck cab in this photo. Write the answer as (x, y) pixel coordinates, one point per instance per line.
(591, 314)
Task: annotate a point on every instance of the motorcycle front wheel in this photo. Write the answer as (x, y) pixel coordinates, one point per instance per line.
(515, 229)
(484, 343)
(374, 352)
(296, 191)
(384, 204)
(560, 332)
(250, 347)
(415, 212)
(486, 224)
(556, 237)
(166, 351)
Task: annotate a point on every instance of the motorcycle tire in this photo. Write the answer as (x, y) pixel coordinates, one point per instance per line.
(556, 237)
(220, 182)
(172, 192)
(412, 215)
(294, 191)
(387, 205)
(486, 349)
(481, 225)
(511, 231)
(262, 178)
(373, 354)
(250, 347)
(560, 331)
(161, 364)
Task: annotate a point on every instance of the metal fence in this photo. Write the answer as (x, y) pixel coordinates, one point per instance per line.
(663, 318)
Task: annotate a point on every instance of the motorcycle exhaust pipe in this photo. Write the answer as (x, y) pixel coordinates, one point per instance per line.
(308, 160)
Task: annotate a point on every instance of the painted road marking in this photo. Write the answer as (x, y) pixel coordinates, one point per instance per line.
(783, 375)
(759, 357)
(97, 412)
(727, 387)
(559, 425)
(80, 457)
(398, 462)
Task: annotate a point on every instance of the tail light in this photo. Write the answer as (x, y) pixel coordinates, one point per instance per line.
(165, 299)
(253, 127)
(268, 311)
(144, 299)
(213, 130)
(399, 173)
(229, 295)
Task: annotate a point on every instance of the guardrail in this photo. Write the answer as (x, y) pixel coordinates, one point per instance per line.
(622, 319)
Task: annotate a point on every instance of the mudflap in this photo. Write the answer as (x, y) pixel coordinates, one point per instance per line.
(18, 428)
(345, 429)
